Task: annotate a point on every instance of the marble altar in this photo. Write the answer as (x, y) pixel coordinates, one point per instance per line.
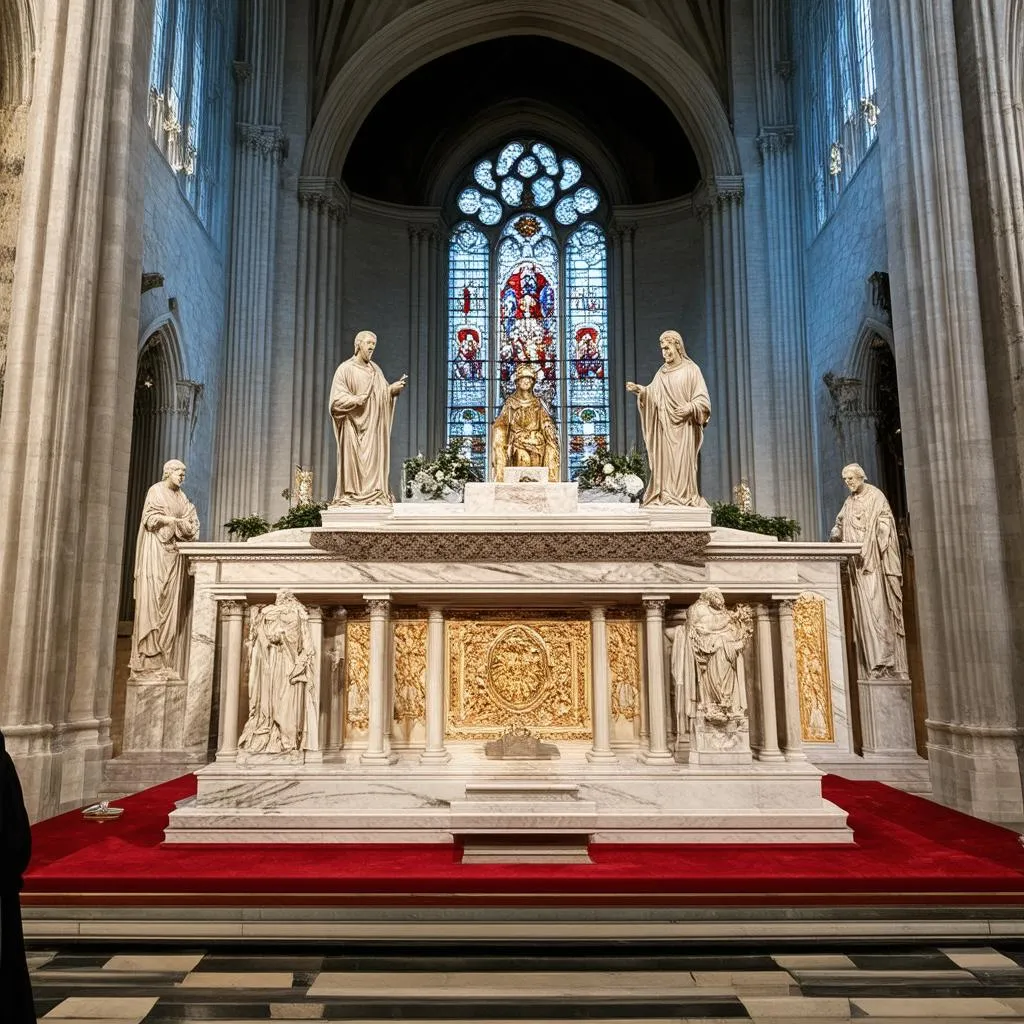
(455, 620)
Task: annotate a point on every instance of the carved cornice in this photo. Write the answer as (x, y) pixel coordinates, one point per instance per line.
(714, 193)
(775, 138)
(262, 138)
(325, 195)
(678, 548)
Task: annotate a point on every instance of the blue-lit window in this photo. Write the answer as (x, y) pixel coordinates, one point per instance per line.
(840, 96)
(190, 98)
(528, 283)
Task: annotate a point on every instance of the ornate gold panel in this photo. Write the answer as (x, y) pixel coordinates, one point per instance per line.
(814, 684)
(624, 668)
(516, 670)
(357, 676)
(410, 671)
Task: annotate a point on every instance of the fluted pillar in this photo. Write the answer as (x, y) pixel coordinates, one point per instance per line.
(795, 477)
(435, 752)
(319, 347)
(65, 426)
(601, 694)
(964, 613)
(657, 704)
(729, 443)
(312, 743)
(241, 480)
(766, 685)
(794, 744)
(230, 678)
(378, 749)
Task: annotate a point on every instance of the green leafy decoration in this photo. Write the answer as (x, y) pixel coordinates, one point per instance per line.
(734, 518)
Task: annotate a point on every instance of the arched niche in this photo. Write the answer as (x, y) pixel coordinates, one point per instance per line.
(165, 409)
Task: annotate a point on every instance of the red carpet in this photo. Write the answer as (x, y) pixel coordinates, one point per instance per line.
(906, 849)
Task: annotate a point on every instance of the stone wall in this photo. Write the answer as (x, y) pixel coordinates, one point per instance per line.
(13, 123)
(177, 246)
(838, 261)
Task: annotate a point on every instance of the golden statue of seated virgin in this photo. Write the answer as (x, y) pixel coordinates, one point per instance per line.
(524, 433)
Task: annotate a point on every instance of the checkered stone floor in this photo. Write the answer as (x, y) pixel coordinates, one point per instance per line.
(638, 981)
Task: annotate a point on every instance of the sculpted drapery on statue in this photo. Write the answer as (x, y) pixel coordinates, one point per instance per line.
(362, 408)
(876, 577)
(674, 409)
(280, 671)
(158, 642)
(524, 433)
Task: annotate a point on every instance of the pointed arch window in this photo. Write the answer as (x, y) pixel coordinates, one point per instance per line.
(528, 283)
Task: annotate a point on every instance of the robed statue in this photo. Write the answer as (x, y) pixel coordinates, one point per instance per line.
(707, 662)
(282, 708)
(876, 577)
(158, 642)
(362, 407)
(674, 409)
(524, 434)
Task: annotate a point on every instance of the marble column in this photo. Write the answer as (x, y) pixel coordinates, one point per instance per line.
(434, 753)
(795, 477)
(657, 751)
(729, 450)
(766, 686)
(241, 482)
(231, 678)
(332, 669)
(601, 695)
(319, 346)
(312, 741)
(64, 447)
(378, 749)
(964, 611)
(793, 745)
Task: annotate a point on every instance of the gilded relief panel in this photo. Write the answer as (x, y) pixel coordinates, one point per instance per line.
(357, 679)
(518, 671)
(410, 662)
(812, 676)
(624, 668)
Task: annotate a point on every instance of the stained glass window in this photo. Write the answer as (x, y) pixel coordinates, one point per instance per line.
(468, 313)
(539, 289)
(839, 113)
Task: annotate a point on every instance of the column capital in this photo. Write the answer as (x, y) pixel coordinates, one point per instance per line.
(655, 603)
(325, 195)
(598, 611)
(267, 139)
(786, 605)
(716, 192)
(775, 138)
(232, 609)
(315, 612)
(378, 605)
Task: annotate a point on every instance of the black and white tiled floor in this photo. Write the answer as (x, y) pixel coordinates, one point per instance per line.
(551, 982)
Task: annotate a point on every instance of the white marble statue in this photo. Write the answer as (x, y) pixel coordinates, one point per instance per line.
(158, 641)
(707, 662)
(362, 407)
(674, 409)
(876, 577)
(281, 678)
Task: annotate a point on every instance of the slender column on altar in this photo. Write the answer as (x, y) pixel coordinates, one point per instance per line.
(72, 348)
(719, 204)
(312, 740)
(657, 710)
(766, 684)
(946, 378)
(435, 752)
(795, 488)
(241, 477)
(377, 747)
(332, 670)
(601, 696)
(231, 676)
(790, 695)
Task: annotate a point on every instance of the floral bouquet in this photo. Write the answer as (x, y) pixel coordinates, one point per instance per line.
(605, 476)
(442, 478)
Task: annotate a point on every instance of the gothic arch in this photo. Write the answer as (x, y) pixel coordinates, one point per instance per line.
(863, 361)
(602, 27)
(514, 118)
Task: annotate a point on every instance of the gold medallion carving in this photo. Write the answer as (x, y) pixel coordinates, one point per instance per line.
(532, 673)
(624, 668)
(812, 676)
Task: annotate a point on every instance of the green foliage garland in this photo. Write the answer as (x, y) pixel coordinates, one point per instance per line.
(734, 518)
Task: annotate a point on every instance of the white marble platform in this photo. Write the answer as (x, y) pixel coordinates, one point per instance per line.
(623, 802)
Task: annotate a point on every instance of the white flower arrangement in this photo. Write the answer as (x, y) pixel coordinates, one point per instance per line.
(442, 478)
(605, 476)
